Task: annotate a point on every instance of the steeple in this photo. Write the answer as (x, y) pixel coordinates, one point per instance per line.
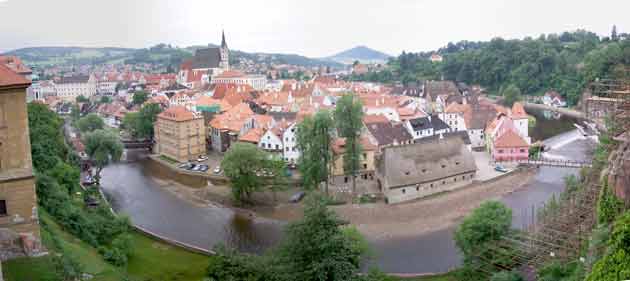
(223, 43)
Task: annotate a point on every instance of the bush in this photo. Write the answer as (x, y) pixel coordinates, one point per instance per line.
(506, 276)
(608, 205)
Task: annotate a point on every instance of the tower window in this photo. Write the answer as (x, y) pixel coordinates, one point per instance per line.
(3, 208)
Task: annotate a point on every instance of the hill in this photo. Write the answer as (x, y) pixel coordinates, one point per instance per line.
(161, 54)
(359, 53)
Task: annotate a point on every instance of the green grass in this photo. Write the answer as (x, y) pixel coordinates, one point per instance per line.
(151, 260)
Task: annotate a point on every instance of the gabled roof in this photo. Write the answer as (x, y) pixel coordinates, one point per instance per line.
(510, 139)
(252, 136)
(426, 161)
(206, 58)
(518, 111)
(9, 78)
(386, 133)
(425, 123)
(339, 144)
(177, 113)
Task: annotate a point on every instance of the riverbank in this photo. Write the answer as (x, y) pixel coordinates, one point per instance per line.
(381, 221)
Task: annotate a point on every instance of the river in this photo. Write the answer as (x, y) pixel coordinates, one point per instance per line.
(135, 188)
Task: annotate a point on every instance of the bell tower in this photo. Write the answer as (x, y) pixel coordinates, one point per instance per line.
(225, 54)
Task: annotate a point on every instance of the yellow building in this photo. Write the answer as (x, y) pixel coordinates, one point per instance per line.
(366, 164)
(180, 134)
(18, 202)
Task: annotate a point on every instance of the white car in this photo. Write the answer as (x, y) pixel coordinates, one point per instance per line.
(202, 158)
(217, 170)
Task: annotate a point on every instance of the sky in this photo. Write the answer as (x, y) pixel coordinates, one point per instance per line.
(315, 28)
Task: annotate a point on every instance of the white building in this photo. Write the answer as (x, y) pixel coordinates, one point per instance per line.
(271, 140)
(291, 152)
(40, 90)
(258, 82)
(69, 88)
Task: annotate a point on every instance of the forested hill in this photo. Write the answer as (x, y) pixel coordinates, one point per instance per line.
(565, 62)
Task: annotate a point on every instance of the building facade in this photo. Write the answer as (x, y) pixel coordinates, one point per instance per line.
(180, 134)
(69, 88)
(18, 202)
(206, 63)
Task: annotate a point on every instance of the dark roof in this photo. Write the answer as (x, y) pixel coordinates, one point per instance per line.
(463, 135)
(281, 115)
(387, 134)
(425, 162)
(206, 58)
(437, 88)
(175, 87)
(428, 122)
(73, 79)
(411, 91)
(481, 114)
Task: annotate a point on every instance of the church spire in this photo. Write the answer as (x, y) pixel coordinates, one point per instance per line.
(223, 43)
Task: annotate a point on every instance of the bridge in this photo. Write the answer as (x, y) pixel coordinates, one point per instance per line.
(137, 144)
(555, 163)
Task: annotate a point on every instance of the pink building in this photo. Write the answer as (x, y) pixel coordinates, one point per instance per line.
(509, 147)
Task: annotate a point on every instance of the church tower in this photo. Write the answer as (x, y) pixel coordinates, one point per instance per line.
(225, 54)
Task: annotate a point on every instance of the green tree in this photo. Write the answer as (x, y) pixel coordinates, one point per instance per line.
(506, 276)
(615, 265)
(75, 113)
(139, 97)
(487, 224)
(102, 147)
(230, 265)
(251, 169)
(316, 248)
(141, 124)
(510, 94)
(47, 142)
(105, 99)
(314, 136)
(348, 116)
(82, 98)
(90, 123)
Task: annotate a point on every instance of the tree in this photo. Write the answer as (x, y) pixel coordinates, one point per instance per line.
(613, 34)
(506, 276)
(75, 113)
(141, 124)
(251, 169)
(140, 97)
(106, 99)
(90, 123)
(81, 98)
(511, 94)
(316, 248)
(102, 147)
(487, 223)
(348, 119)
(47, 142)
(314, 136)
(230, 265)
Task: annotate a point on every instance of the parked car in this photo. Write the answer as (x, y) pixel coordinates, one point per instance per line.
(500, 168)
(203, 168)
(191, 167)
(183, 165)
(297, 197)
(202, 158)
(217, 170)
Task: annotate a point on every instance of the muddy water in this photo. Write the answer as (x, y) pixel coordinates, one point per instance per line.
(134, 188)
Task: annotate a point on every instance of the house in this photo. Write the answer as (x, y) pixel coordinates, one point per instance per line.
(69, 88)
(271, 140)
(435, 57)
(521, 121)
(426, 126)
(291, 152)
(428, 167)
(18, 199)
(476, 119)
(453, 116)
(206, 63)
(40, 90)
(180, 134)
(553, 98)
(359, 69)
(509, 147)
(382, 133)
(226, 127)
(366, 162)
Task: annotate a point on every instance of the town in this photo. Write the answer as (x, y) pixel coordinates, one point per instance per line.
(497, 160)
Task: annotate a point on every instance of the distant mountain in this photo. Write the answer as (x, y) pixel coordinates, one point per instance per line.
(359, 53)
(160, 54)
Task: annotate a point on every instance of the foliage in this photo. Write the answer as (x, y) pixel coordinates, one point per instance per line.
(81, 98)
(47, 143)
(102, 147)
(608, 205)
(105, 99)
(140, 124)
(348, 116)
(90, 123)
(615, 265)
(230, 265)
(251, 169)
(572, 185)
(511, 94)
(139, 97)
(314, 135)
(506, 276)
(487, 223)
(557, 271)
(316, 248)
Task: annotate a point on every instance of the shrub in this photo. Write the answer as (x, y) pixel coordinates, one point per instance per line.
(506, 276)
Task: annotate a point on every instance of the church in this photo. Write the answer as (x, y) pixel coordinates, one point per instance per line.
(205, 64)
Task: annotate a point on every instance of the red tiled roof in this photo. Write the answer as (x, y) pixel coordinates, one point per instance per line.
(338, 145)
(252, 136)
(177, 113)
(9, 78)
(230, 74)
(374, 118)
(518, 111)
(510, 139)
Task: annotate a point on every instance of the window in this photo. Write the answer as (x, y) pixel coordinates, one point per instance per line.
(364, 166)
(3, 208)
(500, 151)
(424, 170)
(522, 150)
(417, 188)
(403, 191)
(443, 182)
(431, 185)
(443, 166)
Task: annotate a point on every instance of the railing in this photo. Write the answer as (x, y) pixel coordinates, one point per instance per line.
(555, 163)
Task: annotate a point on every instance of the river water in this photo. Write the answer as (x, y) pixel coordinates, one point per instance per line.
(135, 188)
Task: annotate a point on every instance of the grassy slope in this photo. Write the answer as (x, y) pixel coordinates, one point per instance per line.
(151, 260)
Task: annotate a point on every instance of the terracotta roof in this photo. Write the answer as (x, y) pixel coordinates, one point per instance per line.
(233, 119)
(252, 136)
(374, 118)
(209, 102)
(15, 64)
(263, 121)
(510, 139)
(177, 113)
(518, 111)
(9, 78)
(230, 74)
(338, 145)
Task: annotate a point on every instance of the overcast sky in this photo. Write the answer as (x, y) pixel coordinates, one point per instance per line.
(313, 28)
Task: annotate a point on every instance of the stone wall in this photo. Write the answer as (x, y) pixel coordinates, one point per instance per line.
(406, 193)
(619, 176)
